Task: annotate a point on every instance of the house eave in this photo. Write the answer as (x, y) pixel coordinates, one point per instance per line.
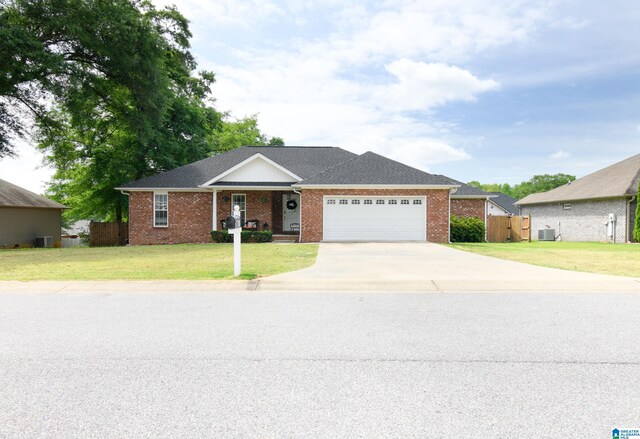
(574, 200)
(248, 187)
(475, 197)
(157, 189)
(374, 186)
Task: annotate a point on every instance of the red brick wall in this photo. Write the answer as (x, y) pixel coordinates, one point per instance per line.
(468, 207)
(437, 210)
(189, 218)
(256, 207)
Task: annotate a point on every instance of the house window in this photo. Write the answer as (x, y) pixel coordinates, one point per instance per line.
(566, 206)
(417, 201)
(241, 201)
(393, 201)
(404, 202)
(355, 201)
(368, 202)
(344, 202)
(160, 209)
(331, 201)
(379, 201)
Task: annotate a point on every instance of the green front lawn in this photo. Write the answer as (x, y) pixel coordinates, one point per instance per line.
(619, 259)
(181, 261)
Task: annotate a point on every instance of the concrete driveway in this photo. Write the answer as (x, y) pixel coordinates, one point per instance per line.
(432, 267)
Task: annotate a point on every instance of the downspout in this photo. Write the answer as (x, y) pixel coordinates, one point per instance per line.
(451, 191)
(129, 215)
(214, 211)
(486, 214)
(300, 233)
(629, 225)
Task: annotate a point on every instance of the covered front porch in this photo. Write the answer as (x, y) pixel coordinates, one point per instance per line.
(276, 210)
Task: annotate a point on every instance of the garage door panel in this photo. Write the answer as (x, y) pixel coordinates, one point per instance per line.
(374, 222)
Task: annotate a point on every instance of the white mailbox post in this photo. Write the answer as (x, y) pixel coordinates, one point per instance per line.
(236, 241)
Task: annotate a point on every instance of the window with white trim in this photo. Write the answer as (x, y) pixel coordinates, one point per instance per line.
(404, 202)
(344, 201)
(160, 209)
(393, 201)
(417, 201)
(379, 201)
(566, 206)
(368, 202)
(241, 201)
(331, 201)
(355, 201)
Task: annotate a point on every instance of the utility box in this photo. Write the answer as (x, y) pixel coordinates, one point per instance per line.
(546, 234)
(44, 241)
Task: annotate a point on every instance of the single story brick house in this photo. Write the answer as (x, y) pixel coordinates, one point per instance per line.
(598, 207)
(25, 216)
(314, 193)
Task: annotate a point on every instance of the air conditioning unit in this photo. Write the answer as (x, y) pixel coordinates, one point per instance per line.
(546, 234)
(44, 241)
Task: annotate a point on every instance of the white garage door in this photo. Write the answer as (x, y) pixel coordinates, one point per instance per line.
(375, 218)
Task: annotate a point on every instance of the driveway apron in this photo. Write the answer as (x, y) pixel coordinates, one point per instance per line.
(432, 267)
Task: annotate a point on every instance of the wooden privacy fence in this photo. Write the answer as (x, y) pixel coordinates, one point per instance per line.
(108, 234)
(508, 228)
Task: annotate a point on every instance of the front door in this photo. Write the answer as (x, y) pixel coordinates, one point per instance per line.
(291, 213)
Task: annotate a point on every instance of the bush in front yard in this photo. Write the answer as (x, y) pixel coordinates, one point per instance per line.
(248, 236)
(466, 229)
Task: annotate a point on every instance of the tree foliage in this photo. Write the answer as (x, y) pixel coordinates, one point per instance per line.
(110, 86)
(538, 183)
(242, 132)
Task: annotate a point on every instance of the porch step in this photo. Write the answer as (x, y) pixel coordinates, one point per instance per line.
(284, 238)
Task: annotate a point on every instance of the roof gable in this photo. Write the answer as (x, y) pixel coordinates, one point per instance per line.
(256, 168)
(504, 201)
(373, 169)
(301, 161)
(618, 180)
(15, 196)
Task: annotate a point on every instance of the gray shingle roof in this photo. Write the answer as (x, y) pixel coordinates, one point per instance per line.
(618, 180)
(15, 196)
(505, 201)
(370, 169)
(304, 161)
(466, 190)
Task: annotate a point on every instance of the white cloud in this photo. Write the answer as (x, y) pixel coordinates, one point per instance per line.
(421, 86)
(559, 155)
(26, 170)
(422, 153)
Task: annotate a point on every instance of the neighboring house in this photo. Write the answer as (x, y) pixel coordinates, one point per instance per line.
(502, 205)
(470, 201)
(317, 193)
(598, 207)
(24, 216)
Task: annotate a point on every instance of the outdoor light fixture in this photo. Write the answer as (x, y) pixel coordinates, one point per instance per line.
(226, 198)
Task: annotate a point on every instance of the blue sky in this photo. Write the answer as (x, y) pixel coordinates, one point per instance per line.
(494, 91)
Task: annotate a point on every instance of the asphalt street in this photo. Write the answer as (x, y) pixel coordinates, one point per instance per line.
(280, 365)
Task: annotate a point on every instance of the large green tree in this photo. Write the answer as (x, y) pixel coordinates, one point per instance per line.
(111, 90)
(538, 183)
(243, 132)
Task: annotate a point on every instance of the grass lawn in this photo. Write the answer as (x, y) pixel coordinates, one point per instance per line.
(181, 261)
(619, 259)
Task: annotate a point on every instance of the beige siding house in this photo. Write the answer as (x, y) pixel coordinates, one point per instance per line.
(25, 216)
(598, 207)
